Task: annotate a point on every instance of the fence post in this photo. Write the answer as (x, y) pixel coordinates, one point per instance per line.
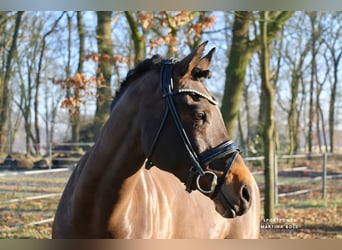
(275, 179)
(324, 174)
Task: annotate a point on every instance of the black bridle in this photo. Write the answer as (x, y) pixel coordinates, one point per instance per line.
(197, 163)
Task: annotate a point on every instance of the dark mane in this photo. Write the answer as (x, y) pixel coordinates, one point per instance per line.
(152, 63)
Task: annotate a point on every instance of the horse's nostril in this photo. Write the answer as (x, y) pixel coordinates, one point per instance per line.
(245, 193)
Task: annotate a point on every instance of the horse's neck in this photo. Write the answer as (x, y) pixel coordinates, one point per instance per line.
(116, 156)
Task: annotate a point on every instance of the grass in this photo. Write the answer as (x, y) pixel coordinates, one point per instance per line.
(313, 203)
(14, 217)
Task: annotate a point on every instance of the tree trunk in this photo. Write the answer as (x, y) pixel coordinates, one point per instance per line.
(75, 118)
(312, 84)
(311, 118)
(38, 83)
(318, 121)
(243, 140)
(332, 100)
(239, 57)
(269, 121)
(68, 65)
(292, 114)
(4, 98)
(74, 114)
(240, 54)
(26, 107)
(104, 71)
(138, 40)
(249, 136)
(324, 134)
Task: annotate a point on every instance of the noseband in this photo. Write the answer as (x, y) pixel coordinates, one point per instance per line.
(197, 163)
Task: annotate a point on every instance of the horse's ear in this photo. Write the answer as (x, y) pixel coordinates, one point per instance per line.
(186, 65)
(204, 63)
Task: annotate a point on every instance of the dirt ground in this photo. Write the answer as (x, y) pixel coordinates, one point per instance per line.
(306, 217)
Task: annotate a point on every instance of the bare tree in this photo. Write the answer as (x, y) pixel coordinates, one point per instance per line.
(240, 54)
(137, 37)
(5, 78)
(75, 117)
(269, 117)
(333, 44)
(295, 54)
(104, 71)
(38, 79)
(316, 32)
(27, 85)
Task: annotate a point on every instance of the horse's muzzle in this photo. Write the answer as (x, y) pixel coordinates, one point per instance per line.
(229, 208)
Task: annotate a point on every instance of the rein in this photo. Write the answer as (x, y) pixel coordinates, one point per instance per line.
(197, 163)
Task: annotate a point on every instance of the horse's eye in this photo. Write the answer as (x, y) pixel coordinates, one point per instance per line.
(201, 116)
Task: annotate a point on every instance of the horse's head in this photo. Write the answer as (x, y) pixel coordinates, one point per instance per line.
(183, 133)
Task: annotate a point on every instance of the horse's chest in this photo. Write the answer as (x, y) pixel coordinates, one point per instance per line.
(160, 218)
(146, 218)
(159, 207)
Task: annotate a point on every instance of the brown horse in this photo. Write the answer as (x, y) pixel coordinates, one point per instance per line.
(162, 116)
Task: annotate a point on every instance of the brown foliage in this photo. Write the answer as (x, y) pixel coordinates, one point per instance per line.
(79, 86)
(166, 24)
(100, 58)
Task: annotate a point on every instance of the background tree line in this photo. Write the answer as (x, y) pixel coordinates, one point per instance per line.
(275, 73)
